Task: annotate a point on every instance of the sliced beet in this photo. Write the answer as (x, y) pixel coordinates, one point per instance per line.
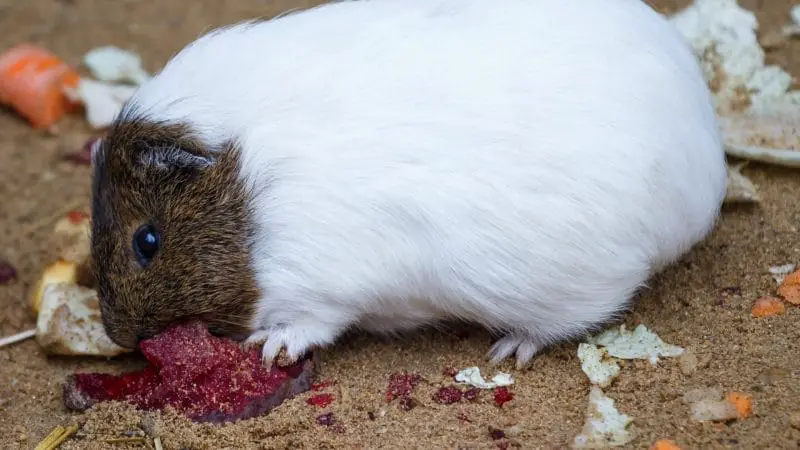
(209, 379)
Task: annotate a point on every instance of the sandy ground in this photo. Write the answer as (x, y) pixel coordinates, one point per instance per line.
(703, 303)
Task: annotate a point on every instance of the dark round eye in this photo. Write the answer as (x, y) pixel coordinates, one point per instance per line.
(146, 243)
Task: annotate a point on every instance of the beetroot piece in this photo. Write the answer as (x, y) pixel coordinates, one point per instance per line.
(209, 379)
(448, 395)
(7, 272)
(501, 396)
(321, 400)
(401, 385)
(326, 419)
(472, 394)
(76, 217)
(321, 385)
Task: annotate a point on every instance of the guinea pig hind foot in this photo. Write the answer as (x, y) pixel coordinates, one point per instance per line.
(522, 345)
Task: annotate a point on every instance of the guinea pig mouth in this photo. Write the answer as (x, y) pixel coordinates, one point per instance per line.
(223, 329)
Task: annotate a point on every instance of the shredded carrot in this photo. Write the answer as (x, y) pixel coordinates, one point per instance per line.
(742, 402)
(665, 444)
(790, 288)
(767, 306)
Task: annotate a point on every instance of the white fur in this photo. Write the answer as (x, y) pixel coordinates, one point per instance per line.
(525, 164)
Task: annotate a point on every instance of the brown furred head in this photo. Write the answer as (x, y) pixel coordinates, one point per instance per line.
(171, 232)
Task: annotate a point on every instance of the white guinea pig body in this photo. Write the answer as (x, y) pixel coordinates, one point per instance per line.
(523, 164)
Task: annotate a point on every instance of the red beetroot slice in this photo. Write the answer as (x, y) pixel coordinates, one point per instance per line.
(207, 378)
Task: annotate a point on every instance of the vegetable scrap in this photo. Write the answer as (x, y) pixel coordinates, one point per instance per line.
(32, 83)
(779, 272)
(604, 426)
(665, 444)
(115, 65)
(69, 323)
(401, 385)
(325, 419)
(708, 404)
(102, 101)
(59, 272)
(206, 378)
(472, 394)
(767, 306)
(7, 272)
(502, 396)
(68, 312)
(43, 89)
(320, 400)
(758, 113)
(790, 288)
(472, 376)
(448, 395)
(600, 369)
(640, 343)
(742, 402)
(320, 386)
(723, 35)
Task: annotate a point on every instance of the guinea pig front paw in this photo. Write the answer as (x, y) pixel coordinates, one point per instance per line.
(523, 346)
(294, 339)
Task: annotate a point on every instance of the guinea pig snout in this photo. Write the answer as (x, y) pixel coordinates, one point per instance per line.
(124, 338)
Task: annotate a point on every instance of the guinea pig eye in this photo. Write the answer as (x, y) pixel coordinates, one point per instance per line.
(146, 243)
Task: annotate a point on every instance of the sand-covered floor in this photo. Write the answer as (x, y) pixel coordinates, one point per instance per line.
(702, 304)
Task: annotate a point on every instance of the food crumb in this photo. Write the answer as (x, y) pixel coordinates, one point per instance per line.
(767, 306)
(325, 419)
(502, 396)
(665, 444)
(321, 400)
(450, 371)
(742, 402)
(7, 272)
(463, 416)
(447, 395)
(320, 386)
(472, 394)
(401, 385)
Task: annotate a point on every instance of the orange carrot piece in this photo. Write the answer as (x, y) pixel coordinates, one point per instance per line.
(32, 82)
(665, 444)
(767, 306)
(790, 288)
(742, 402)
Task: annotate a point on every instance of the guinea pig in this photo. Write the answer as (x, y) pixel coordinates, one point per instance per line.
(523, 165)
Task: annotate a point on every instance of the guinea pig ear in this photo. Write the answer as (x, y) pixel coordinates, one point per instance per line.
(170, 158)
(94, 148)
